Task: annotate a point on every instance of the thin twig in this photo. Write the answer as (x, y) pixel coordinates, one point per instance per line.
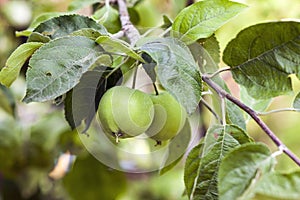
(218, 72)
(148, 32)
(117, 67)
(130, 31)
(277, 111)
(118, 35)
(254, 116)
(211, 110)
(165, 32)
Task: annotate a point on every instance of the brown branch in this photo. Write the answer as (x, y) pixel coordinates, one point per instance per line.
(254, 116)
(127, 27)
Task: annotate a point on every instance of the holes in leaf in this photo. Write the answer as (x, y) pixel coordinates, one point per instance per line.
(48, 74)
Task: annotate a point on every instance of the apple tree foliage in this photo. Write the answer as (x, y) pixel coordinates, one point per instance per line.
(74, 59)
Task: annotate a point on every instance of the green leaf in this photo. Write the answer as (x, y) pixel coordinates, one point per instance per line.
(7, 101)
(37, 21)
(134, 15)
(149, 66)
(92, 180)
(263, 56)
(112, 45)
(167, 22)
(87, 32)
(10, 145)
(109, 18)
(58, 66)
(78, 4)
(234, 115)
(65, 25)
(207, 54)
(258, 105)
(38, 37)
(16, 60)
(176, 70)
(218, 141)
(202, 19)
(176, 148)
(242, 168)
(212, 46)
(132, 3)
(280, 185)
(82, 101)
(296, 103)
(191, 167)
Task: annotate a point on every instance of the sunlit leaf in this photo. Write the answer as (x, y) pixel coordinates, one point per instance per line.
(16, 60)
(263, 56)
(58, 66)
(176, 70)
(112, 45)
(202, 19)
(242, 168)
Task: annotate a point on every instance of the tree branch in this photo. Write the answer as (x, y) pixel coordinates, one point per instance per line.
(127, 27)
(254, 116)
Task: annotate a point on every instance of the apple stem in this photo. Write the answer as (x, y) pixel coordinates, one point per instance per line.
(155, 89)
(134, 77)
(117, 138)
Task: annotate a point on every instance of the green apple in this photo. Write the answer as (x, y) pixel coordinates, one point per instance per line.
(169, 117)
(124, 112)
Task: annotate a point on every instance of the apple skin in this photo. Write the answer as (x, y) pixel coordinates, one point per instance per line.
(169, 117)
(124, 112)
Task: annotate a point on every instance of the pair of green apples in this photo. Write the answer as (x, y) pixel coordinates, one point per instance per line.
(125, 112)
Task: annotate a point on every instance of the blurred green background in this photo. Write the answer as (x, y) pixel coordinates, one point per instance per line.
(34, 137)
